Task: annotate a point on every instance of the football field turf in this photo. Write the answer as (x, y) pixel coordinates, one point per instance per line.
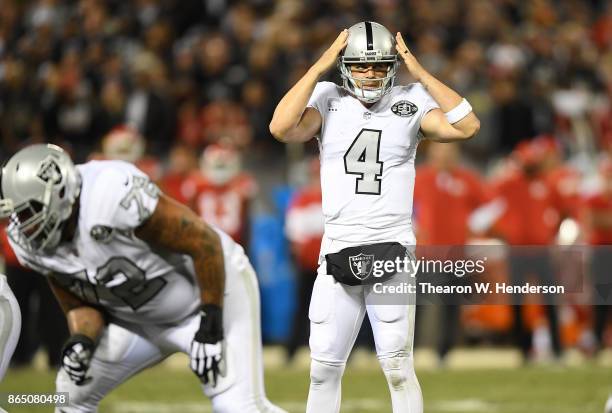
(521, 390)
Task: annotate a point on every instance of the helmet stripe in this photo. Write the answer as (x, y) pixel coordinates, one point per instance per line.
(369, 37)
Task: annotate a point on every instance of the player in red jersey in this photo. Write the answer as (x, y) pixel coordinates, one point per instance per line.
(224, 192)
(441, 181)
(530, 217)
(124, 143)
(304, 229)
(178, 181)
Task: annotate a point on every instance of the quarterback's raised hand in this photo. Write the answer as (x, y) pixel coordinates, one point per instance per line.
(207, 348)
(413, 66)
(76, 358)
(330, 56)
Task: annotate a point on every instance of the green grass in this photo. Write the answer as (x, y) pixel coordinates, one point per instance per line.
(525, 390)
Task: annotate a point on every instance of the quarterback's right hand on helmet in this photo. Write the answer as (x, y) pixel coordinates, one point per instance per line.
(76, 358)
(207, 349)
(329, 58)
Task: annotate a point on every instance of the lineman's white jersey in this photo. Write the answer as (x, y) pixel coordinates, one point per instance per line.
(107, 265)
(367, 161)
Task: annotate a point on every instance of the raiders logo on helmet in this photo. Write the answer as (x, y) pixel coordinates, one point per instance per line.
(404, 108)
(50, 171)
(101, 233)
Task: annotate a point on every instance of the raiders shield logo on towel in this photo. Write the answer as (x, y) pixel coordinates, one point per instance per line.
(355, 265)
(361, 265)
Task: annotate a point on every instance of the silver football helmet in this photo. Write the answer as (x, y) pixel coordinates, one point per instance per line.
(39, 186)
(369, 43)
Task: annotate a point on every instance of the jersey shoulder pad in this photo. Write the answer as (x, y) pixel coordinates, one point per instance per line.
(323, 95)
(415, 91)
(117, 196)
(417, 95)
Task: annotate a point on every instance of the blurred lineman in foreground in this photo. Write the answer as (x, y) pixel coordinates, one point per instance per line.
(139, 277)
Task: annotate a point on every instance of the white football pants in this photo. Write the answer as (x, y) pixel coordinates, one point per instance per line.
(10, 325)
(336, 313)
(127, 349)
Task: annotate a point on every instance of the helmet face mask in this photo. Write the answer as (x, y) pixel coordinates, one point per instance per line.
(34, 227)
(369, 43)
(41, 184)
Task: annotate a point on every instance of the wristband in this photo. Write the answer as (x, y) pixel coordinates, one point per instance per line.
(80, 338)
(458, 112)
(211, 324)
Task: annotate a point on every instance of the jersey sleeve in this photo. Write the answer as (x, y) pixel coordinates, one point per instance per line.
(321, 93)
(27, 260)
(123, 198)
(424, 101)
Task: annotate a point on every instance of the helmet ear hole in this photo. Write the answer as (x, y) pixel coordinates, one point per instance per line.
(62, 192)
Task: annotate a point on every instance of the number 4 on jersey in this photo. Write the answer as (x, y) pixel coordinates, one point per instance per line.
(361, 159)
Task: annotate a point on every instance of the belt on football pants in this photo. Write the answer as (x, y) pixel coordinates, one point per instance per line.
(365, 264)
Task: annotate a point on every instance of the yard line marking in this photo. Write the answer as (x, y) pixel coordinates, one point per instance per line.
(350, 405)
(465, 405)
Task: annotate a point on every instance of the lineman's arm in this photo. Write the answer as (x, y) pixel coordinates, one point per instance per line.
(292, 121)
(435, 125)
(175, 227)
(81, 317)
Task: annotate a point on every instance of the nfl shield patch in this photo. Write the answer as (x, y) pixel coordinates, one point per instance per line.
(361, 265)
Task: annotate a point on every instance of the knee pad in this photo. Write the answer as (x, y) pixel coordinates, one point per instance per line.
(393, 329)
(399, 371)
(324, 372)
(391, 343)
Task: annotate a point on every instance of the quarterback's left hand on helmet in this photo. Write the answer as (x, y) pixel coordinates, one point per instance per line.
(410, 61)
(207, 348)
(76, 358)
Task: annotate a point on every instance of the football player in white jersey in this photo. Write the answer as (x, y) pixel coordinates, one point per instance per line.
(368, 131)
(10, 324)
(139, 277)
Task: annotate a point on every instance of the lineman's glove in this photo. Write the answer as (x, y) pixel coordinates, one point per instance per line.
(76, 358)
(207, 347)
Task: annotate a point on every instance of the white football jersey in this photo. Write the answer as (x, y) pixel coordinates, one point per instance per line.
(367, 161)
(106, 265)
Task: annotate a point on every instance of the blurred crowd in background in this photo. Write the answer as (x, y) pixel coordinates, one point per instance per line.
(194, 72)
(186, 88)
